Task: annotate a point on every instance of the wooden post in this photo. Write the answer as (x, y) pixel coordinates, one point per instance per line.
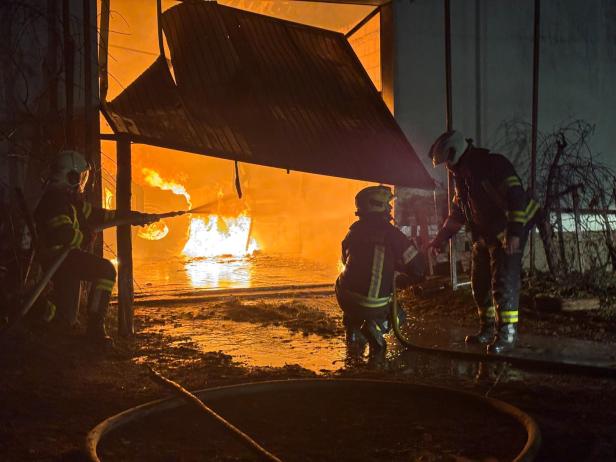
(125, 246)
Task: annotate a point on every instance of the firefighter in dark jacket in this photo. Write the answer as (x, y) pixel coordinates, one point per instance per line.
(372, 251)
(490, 200)
(65, 219)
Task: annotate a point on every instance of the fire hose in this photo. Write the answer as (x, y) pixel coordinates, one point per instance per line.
(523, 362)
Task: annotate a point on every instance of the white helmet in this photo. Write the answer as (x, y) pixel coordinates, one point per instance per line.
(448, 148)
(70, 169)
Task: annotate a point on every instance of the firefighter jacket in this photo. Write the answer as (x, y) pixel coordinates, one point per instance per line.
(489, 199)
(371, 251)
(65, 222)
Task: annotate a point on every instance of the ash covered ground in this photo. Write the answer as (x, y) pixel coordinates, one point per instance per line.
(55, 389)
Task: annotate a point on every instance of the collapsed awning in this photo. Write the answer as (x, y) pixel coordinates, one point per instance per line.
(256, 89)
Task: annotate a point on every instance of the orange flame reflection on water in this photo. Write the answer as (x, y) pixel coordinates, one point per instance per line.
(154, 231)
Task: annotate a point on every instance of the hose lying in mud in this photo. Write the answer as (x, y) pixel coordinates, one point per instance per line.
(198, 404)
(147, 410)
(528, 363)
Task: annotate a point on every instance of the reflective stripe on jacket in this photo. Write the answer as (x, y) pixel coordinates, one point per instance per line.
(371, 251)
(490, 198)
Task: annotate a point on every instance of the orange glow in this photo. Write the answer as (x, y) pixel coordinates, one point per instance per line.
(154, 231)
(297, 215)
(108, 200)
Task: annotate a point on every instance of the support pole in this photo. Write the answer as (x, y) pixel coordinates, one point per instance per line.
(453, 270)
(535, 110)
(125, 247)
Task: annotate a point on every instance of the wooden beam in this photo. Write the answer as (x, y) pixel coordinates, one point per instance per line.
(124, 239)
(362, 23)
(110, 137)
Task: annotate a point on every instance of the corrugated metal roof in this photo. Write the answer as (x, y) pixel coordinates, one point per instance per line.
(262, 90)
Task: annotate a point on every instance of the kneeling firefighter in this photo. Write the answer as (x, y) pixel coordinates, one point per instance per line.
(64, 219)
(490, 200)
(372, 251)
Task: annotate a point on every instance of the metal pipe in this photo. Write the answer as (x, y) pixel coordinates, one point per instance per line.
(535, 119)
(478, 100)
(453, 270)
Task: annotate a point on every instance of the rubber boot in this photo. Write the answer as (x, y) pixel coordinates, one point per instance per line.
(97, 311)
(505, 339)
(373, 332)
(486, 333)
(355, 342)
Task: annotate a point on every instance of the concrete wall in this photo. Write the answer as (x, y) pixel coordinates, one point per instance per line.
(492, 69)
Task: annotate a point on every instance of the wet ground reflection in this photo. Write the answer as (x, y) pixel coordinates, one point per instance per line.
(181, 274)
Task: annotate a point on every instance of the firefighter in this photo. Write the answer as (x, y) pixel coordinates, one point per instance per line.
(371, 251)
(490, 200)
(65, 219)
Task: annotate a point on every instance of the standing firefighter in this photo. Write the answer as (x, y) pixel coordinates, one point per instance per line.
(490, 201)
(66, 220)
(371, 251)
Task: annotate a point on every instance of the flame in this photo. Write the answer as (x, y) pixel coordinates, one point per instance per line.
(154, 231)
(212, 237)
(153, 178)
(218, 235)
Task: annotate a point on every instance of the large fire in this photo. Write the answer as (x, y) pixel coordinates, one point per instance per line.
(218, 235)
(209, 236)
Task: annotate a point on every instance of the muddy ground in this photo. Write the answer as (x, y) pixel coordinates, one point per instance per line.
(54, 388)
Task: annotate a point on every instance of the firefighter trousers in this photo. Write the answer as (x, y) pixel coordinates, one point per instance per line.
(79, 266)
(495, 280)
